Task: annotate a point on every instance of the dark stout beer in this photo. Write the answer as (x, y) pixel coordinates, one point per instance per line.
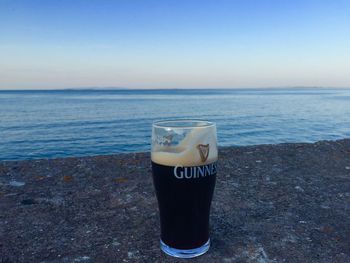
(184, 196)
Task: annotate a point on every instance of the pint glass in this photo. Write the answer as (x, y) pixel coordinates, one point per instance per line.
(184, 156)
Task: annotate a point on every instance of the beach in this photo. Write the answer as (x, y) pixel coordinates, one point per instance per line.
(124, 125)
(272, 203)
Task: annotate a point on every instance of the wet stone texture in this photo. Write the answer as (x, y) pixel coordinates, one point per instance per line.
(272, 203)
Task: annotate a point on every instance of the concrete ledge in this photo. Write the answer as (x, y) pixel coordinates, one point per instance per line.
(272, 203)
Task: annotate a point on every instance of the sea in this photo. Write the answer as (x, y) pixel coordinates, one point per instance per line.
(87, 122)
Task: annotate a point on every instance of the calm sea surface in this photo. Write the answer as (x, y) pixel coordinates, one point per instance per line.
(49, 124)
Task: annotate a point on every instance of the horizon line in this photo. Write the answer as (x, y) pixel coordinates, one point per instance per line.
(179, 88)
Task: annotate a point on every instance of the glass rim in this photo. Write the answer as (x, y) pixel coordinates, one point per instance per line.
(171, 123)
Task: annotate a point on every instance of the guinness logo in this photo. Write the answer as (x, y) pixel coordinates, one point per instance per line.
(203, 151)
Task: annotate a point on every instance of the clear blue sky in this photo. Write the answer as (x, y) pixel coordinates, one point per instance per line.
(174, 44)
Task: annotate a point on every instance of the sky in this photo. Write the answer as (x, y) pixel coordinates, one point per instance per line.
(174, 44)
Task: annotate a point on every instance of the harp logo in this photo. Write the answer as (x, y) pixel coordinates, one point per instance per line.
(203, 151)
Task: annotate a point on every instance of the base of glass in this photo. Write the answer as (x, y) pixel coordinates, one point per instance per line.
(185, 253)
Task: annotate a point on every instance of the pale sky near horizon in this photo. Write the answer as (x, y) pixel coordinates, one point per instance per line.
(174, 44)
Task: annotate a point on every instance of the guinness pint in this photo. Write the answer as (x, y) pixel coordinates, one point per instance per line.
(184, 165)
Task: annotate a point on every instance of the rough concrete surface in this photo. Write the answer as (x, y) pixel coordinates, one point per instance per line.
(272, 203)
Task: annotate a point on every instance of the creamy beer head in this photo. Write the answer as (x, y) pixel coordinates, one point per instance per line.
(185, 143)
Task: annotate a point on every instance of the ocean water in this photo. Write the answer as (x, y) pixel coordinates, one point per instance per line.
(50, 124)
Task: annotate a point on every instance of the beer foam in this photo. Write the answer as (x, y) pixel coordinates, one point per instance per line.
(186, 152)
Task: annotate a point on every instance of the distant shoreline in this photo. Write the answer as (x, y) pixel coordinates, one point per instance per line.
(167, 89)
